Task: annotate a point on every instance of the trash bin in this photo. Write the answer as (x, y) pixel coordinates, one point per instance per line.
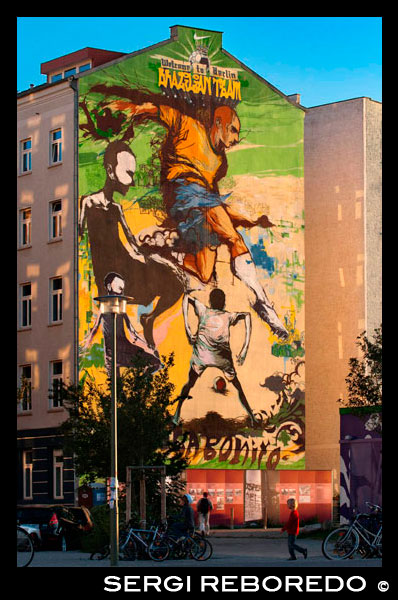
(99, 495)
(85, 495)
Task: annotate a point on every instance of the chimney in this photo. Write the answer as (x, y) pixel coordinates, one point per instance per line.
(294, 98)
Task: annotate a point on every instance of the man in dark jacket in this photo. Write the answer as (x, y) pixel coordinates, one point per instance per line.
(204, 506)
(185, 525)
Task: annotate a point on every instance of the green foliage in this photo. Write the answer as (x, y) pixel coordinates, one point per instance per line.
(144, 424)
(364, 381)
(99, 535)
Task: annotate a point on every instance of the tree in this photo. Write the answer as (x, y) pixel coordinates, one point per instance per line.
(144, 426)
(364, 381)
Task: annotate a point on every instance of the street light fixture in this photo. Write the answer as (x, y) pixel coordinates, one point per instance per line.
(114, 304)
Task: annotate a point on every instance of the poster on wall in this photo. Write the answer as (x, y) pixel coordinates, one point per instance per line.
(253, 503)
(304, 494)
(191, 202)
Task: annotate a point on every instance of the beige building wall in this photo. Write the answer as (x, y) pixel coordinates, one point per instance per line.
(343, 259)
(40, 112)
(373, 213)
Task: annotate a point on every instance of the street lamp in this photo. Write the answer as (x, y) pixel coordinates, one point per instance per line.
(113, 304)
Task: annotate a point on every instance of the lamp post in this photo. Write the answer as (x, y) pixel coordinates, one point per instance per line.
(113, 304)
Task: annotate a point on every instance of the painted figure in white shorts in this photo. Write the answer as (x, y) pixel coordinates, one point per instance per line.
(211, 345)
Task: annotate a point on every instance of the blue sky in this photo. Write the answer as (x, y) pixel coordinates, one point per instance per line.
(325, 59)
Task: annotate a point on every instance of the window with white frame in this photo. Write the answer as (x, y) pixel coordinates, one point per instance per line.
(25, 400)
(55, 391)
(56, 300)
(25, 227)
(56, 77)
(58, 473)
(25, 318)
(26, 155)
(56, 147)
(27, 466)
(55, 219)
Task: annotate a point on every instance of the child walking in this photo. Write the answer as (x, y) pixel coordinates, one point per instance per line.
(292, 528)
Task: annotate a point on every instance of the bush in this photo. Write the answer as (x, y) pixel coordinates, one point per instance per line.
(99, 535)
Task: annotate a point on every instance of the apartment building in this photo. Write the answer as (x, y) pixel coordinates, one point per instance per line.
(46, 273)
(314, 171)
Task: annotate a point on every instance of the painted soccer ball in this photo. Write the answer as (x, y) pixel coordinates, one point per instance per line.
(198, 57)
(219, 384)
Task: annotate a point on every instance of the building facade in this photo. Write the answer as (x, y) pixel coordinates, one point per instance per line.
(171, 174)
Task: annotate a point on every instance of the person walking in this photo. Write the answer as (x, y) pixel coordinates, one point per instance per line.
(292, 529)
(203, 507)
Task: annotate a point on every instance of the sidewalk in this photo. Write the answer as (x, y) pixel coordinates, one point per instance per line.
(246, 550)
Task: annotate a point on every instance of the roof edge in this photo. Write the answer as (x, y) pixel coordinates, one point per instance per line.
(275, 89)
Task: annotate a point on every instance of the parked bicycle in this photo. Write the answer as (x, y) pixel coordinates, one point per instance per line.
(363, 535)
(25, 549)
(191, 545)
(138, 543)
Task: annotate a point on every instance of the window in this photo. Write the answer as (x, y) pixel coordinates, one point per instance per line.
(25, 400)
(25, 227)
(25, 305)
(85, 67)
(56, 77)
(55, 384)
(58, 473)
(27, 465)
(70, 72)
(26, 156)
(56, 147)
(55, 219)
(56, 300)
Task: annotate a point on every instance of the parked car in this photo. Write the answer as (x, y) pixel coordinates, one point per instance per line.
(59, 526)
(33, 530)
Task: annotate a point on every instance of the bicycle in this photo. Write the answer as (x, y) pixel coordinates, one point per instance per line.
(363, 535)
(150, 544)
(187, 545)
(25, 549)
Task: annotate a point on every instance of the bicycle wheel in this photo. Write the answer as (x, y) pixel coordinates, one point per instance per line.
(158, 550)
(194, 547)
(379, 547)
(340, 543)
(127, 548)
(101, 553)
(204, 550)
(25, 550)
(208, 550)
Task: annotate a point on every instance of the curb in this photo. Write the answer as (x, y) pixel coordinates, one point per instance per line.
(274, 533)
(247, 533)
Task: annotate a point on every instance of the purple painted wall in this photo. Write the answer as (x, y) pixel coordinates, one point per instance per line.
(361, 461)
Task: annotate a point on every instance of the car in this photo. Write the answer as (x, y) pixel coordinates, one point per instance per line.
(60, 526)
(33, 531)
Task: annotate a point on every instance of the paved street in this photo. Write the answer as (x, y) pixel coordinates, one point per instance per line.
(228, 552)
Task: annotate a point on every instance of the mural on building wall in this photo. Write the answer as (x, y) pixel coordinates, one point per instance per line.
(191, 203)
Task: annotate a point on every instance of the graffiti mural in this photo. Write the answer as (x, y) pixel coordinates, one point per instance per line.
(191, 203)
